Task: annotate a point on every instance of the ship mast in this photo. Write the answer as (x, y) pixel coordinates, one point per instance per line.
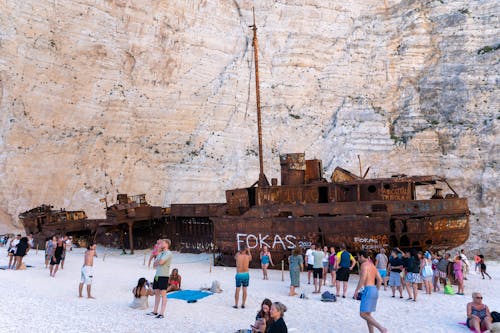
(262, 177)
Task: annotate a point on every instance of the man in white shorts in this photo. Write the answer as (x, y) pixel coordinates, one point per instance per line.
(87, 271)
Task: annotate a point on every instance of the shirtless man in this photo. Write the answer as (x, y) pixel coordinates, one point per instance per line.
(243, 259)
(87, 273)
(367, 277)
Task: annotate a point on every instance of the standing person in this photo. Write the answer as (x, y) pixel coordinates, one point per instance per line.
(278, 325)
(426, 271)
(57, 257)
(296, 264)
(154, 252)
(442, 268)
(318, 256)
(477, 260)
(310, 262)
(381, 262)
(21, 249)
(411, 263)
(478, 314)
(326, 256)
(344, 264)
(31, 241)
(87, 270)
(265, 260)
(368, 276)
(12, 251)
(465, 262)
(459, 277)
(395, 269)
(160, 283)
(435, 272)
(63, 256)
(50, 245)
(331, 265)
(69, 243)
(243, 258)
(483, 266)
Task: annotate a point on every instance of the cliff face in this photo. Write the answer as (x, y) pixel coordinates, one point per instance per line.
(157, 97)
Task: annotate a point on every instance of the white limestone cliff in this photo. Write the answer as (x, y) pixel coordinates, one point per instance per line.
(157, 97)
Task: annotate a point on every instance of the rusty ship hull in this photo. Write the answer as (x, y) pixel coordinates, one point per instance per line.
(360, 213)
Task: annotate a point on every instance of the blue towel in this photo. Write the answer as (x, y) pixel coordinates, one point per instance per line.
(189, 295)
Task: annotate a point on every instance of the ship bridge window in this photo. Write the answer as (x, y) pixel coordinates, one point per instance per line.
(387, 186)
(285, 214)
(372, 189)
(322, 194)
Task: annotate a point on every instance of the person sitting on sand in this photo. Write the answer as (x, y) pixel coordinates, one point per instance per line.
(263, 318)
(174, 281)
(141, 293)
(277, 312)
(478, 314)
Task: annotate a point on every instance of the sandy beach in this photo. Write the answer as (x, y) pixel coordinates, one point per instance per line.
(32, 301)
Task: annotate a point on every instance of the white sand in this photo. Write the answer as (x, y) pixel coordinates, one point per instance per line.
(34, 302)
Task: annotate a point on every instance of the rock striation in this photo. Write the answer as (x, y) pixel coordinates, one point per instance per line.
(126, 96)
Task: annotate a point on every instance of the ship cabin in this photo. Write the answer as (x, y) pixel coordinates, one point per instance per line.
(302, 183)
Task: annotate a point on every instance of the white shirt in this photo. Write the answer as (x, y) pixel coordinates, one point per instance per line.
(310, 257)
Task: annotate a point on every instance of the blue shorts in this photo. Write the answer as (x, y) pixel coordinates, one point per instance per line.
(383, 272)
(369, 299)
(242, 279)
(394, 279)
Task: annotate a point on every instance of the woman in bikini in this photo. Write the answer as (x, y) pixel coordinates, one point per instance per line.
(478, 314)
(265, 259)
(174, 281)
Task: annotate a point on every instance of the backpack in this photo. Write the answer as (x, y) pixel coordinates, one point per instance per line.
(328, 297)
(495, 316)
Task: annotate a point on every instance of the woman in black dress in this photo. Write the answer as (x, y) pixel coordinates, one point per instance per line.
(21, 250)
(56, 258)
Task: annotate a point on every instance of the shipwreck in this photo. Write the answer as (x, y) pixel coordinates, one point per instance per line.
(305, 208)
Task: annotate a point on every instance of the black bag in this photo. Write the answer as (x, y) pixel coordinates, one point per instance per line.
(495, 316)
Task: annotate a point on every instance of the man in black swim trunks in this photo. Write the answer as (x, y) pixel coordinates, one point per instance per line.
(345, 263)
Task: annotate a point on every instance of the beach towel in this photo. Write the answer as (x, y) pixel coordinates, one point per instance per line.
(190, 296)
(465, 324)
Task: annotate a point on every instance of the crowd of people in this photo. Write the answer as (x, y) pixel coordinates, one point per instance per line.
(400, 271)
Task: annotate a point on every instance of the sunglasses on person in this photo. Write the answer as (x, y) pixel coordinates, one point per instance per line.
(479, 297)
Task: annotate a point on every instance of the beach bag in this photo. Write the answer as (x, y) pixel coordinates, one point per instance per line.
(495, 317)
(427, 271)
(328, 297)
(448, 290)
